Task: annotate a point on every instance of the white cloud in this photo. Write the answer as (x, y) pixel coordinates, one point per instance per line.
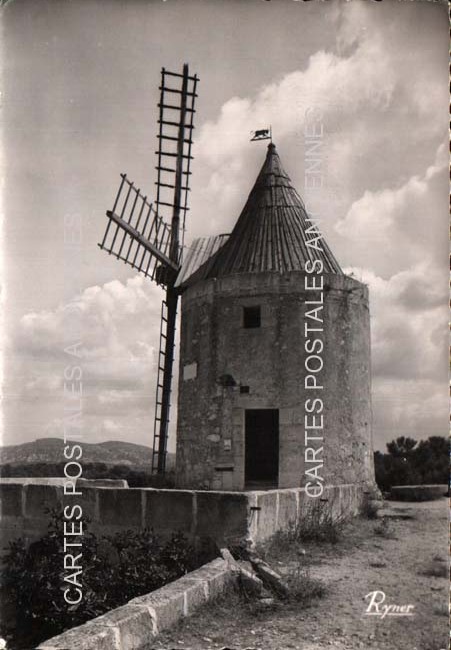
(117, 326)
(380, 121)
(382, 91)
(409, 352)
(411, 408)
(341, 87)
(393, 228)
(113, 323)
(408, 324)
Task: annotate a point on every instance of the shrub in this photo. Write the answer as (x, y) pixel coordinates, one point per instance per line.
(134, 475)
(385, 529)
(116, 568)
(319, 525)
(304, 589)
(370, 507)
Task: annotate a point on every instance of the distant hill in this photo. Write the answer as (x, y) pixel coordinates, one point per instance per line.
(50, 450)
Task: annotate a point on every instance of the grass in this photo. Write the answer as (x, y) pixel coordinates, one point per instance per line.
(385, 529)
(316, 525)
(304, 589)
(319, 525)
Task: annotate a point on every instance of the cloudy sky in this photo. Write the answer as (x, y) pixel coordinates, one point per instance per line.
(79, 99)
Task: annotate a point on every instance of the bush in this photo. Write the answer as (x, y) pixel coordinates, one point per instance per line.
(116, 568)
(319, 525)
(370, 507)
(304, 589)
(134, 475)
(385, 529)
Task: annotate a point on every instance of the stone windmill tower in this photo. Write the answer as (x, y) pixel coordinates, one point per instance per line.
(274, 386)
(269, 325)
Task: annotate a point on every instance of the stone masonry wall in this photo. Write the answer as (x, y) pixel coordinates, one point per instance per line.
(226, 517)
(270, 361)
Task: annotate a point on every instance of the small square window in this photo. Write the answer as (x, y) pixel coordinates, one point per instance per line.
(244, 389)
(251, 316)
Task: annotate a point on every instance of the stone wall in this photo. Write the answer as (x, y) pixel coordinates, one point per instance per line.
(132, 626)
(226, 517)
(270, 361)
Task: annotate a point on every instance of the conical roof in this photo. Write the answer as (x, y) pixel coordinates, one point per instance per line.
(272, 231)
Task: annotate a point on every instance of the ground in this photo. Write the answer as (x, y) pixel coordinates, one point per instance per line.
(406, 559)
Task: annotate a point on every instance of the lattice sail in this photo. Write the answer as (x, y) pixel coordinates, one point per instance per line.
(175, 139)
(137, 235)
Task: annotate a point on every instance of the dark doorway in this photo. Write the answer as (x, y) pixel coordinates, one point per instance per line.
(262, 448)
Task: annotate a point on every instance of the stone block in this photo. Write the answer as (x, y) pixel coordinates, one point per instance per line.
(10, 500)
(88, 501)
(222, 516)
(40, 497)
(102, 482)
(216, 576)
(238, 417)
(267, 515)
(286, 416)
(118, 507)
(167, 604)
(135, 624)
(168, 511)
(287, 513)
(11, 529)
(195, 593)
(90, 636)
(227, 556)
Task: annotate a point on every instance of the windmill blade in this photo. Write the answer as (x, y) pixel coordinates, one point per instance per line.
(138, 236)
(177, 100)
(164, 382)
(175, 139)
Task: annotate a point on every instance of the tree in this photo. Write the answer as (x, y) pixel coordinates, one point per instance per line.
(411, 463)
(401, 447)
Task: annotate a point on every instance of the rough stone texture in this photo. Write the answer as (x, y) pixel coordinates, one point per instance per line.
(10, 500)
(271, 361)
(227, 518)
(102, 482)
(40, 497)
(223, 516)
(90, 636)
(267, 512)
(167, 511)
(288, 507)
(58, 480)
(167, 605)
(117, 506)
(89, 501)
(132, 626)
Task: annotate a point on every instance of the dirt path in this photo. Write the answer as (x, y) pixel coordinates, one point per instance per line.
(401, 561)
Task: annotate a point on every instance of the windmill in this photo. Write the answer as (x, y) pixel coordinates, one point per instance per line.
(150, 236)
